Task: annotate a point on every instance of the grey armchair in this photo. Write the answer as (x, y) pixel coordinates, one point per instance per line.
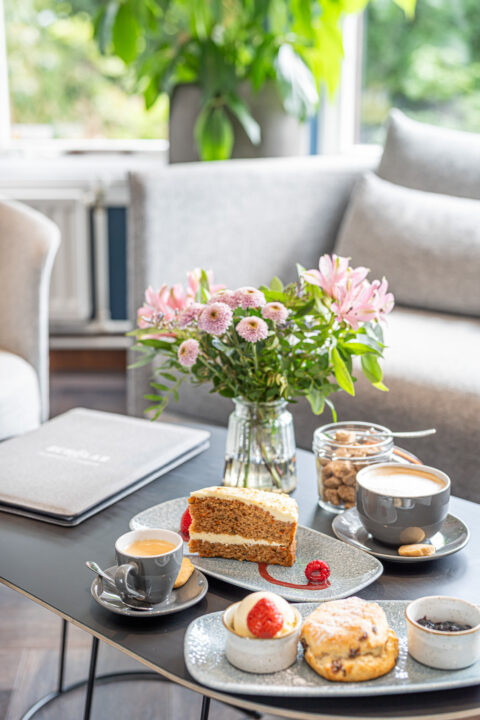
(28, 244)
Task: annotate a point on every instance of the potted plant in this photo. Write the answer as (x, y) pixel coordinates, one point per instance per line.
(264, 348)
(240, 74)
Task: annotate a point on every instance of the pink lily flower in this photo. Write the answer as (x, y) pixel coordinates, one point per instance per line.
(177, 298)
(156, 309)
(354, 304)
(383, 300)
(333, 273)
(194, 282)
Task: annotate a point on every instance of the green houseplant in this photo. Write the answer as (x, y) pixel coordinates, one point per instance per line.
(225, 46)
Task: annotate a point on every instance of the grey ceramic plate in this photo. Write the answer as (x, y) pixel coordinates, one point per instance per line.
(351, 569)
(189, 594)
(348, 527)
(206, 662)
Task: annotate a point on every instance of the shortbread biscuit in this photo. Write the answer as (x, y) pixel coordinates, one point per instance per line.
(349, 641)
(418, 550)
(185, 573)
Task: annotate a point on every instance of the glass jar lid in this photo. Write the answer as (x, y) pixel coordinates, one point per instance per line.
(353, 439)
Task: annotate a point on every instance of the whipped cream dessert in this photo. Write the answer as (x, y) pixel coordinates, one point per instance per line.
(240, 616)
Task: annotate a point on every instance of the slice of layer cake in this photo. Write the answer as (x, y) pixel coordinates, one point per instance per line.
(243, 524)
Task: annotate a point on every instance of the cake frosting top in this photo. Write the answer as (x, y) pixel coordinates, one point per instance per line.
(281, 506)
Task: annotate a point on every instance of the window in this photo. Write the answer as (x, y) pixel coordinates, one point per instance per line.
(429, 66)
(60, 84)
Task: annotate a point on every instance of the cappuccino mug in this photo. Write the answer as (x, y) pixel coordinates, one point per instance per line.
(402, 504)
(148, 564)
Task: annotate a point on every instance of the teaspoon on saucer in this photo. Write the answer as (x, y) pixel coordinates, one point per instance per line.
(94, 567)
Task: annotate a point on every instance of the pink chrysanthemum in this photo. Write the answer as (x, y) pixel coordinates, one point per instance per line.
(275, 311)
(252, 329)
(249, 297)
(215, 318)
(190, 314)
(188, 352)
(225, 296)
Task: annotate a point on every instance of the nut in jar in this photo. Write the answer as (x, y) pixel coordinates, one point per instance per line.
(341, 450)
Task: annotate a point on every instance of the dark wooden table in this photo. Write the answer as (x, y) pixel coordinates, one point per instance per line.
(47, 564)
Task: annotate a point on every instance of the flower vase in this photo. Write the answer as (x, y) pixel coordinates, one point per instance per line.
(260, 451)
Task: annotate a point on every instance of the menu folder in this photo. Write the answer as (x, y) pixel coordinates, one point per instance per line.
(79, 463)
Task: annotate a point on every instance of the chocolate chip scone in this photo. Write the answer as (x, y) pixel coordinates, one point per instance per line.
(349, 641)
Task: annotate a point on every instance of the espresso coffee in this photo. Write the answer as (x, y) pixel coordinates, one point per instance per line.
(400, 482)
(149, 548)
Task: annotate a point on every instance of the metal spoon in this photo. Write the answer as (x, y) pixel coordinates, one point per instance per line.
(407, 434)
(98, 571)
(94, 567)
(414, 433)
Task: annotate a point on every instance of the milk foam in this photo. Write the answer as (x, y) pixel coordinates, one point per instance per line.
(402, 483)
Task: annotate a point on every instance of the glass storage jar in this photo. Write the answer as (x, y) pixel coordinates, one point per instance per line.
(341, 450)
(260, 451)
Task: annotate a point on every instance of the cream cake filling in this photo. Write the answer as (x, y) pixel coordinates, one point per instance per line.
(280, 506)
(230, 539)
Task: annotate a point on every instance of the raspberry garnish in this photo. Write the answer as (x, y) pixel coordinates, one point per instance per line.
(317, 571)
(264, 619)
(185, 523)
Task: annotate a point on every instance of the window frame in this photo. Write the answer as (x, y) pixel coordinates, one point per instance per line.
(5, 131)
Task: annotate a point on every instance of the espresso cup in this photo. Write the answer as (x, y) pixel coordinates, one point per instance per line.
(147, 578)
(402, 504)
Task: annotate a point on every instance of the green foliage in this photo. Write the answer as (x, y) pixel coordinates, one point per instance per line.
(224, 46)
(59, 78)
(427, 65)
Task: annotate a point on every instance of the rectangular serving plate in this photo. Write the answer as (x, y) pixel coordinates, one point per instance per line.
(350, 569)
(206, 662)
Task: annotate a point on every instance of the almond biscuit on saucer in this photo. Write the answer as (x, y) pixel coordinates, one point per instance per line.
(184, 574)
(417, 550)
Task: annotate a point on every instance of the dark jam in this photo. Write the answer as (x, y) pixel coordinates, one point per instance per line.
(445, 626)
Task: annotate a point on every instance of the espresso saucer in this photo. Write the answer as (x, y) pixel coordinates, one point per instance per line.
(348, 527)
(183, 597)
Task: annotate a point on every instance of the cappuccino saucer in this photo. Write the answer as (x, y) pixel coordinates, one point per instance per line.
(183, 597)
(452, 537)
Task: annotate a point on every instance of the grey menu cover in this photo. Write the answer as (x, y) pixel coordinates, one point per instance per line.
(84, 460)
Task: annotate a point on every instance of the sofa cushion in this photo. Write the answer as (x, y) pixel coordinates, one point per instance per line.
(19, 396)
(426, 244)
(430, 158)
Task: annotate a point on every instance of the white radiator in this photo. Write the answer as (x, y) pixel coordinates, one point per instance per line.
(70, 290)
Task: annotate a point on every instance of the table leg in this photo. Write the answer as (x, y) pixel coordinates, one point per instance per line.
(205, 708)
(61, 664)
(91, 679)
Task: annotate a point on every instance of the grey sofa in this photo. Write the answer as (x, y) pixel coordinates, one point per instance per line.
(250, 220)
(28, 244)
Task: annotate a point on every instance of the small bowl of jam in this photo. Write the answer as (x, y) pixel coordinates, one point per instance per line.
(443, 632)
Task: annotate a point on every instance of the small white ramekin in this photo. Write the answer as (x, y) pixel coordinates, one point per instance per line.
(443, 650)
(260, 655)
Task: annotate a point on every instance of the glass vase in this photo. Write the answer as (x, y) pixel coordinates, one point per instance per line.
(260, 451)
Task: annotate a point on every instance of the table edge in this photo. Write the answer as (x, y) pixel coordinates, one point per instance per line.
(221, 697)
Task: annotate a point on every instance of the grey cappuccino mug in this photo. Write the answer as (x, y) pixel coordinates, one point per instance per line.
(402, 504)
(147, 578)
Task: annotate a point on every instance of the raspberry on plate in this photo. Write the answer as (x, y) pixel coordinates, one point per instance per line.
(264, 620)
(317, 571)
(185, 523)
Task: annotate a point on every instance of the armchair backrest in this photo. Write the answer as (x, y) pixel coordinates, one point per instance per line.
(28, 244)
